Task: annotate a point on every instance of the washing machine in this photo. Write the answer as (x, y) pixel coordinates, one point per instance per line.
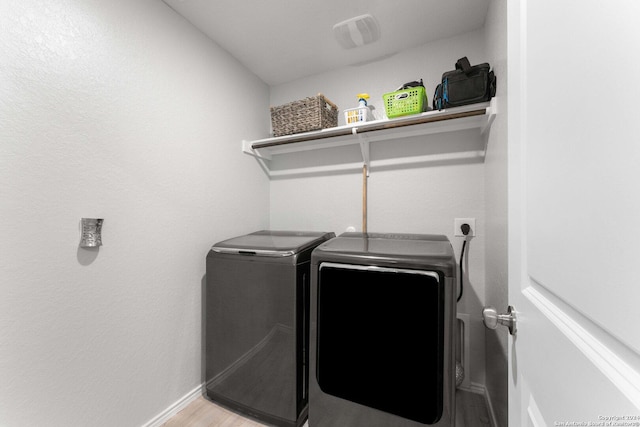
(382, 331)
(257, 321)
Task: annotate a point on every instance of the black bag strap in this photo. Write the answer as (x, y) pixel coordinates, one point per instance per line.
(492, 84)
(411, 84)
(464, 65)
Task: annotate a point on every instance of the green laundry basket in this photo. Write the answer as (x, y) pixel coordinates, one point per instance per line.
(412, 100)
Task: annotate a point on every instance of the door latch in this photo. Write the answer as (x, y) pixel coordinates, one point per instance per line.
(492, 319)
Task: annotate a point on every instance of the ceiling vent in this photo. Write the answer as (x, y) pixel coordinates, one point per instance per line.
(357, 31)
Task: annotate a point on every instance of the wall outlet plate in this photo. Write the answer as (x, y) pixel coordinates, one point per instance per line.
(457, 223)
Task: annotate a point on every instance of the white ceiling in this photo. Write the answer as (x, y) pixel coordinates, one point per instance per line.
(283, 40)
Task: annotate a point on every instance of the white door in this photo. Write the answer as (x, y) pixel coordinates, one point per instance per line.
(574, 212)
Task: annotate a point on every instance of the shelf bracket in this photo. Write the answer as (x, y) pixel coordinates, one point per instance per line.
(364, 147)
(492, 110)
(248, 149)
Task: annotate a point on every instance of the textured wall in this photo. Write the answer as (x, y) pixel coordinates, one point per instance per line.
(119, 110)
(423, 197)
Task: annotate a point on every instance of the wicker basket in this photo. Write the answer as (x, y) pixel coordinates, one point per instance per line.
(305, 115)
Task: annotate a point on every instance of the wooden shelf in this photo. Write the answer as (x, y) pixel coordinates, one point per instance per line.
(474, 116)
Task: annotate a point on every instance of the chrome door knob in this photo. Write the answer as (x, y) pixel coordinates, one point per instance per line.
(492, 319)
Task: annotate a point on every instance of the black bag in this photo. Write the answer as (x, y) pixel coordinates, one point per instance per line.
(465, 85)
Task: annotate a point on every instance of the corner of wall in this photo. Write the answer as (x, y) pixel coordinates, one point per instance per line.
(496, 289)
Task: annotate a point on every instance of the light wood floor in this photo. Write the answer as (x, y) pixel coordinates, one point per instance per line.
(471, 411)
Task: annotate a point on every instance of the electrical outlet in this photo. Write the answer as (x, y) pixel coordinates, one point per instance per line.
(457, 223)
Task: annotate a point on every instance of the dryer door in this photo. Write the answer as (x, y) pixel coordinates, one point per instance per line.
(380, 338)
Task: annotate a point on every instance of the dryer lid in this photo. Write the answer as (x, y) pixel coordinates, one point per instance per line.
(399, 244)
(411, 250)
(276, 243)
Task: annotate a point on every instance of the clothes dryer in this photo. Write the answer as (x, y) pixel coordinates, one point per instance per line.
(382, 331)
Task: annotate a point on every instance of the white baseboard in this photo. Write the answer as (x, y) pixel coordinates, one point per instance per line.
(476, 388)
(481, 389)
(176, 407)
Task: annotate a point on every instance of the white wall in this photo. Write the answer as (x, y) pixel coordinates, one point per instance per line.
(419, 198)
(118, 110)
(496, 273)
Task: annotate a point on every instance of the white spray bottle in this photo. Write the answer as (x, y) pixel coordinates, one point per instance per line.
(362, 102)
